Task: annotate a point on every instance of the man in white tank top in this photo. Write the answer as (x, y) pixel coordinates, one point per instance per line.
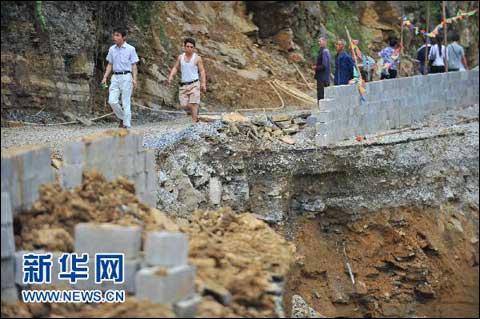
(191, 65)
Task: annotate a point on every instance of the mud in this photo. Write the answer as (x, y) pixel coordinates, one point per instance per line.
(405, 262)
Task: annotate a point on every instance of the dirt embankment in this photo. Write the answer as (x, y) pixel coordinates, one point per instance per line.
(405, 262)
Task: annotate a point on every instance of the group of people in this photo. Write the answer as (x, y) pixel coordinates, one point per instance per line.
(437, 57)
(122, 62)
(343, 66)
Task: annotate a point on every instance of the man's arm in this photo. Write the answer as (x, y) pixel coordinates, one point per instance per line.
(465, 62)
(203, 76)
(134, 69)
(174, 70)
(464, 59)
(107, 73)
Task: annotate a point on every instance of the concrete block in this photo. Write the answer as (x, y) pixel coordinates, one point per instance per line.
(8, 273)
(8, 241)
(74, 153)
(328, 104)
(14, 189)
(99, 150)
(149, 199)
(215, 190)
(10, 295)
(312, 119)
(405, 118)
(187, 308)
(140, 180)
(108, 238)
(131, 267)
(151, 182)
(125, 166)
(140, 162)
(7, 214)
(166, 286)
(166, 249)
(321, 139)
(131, 144)
(29, 193)
(150, 161)
(323, 128)
(139, 143)
(8, 173)
(71, 175)
(325, 116)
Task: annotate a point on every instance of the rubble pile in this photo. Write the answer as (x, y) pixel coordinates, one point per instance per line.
(240, 260)
(262, 128)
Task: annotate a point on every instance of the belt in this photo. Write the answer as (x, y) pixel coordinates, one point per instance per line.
(122, 72)
(187, 83)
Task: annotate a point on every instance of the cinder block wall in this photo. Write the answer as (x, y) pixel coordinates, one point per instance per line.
(24, 169)
(391, 104)
(113, 155)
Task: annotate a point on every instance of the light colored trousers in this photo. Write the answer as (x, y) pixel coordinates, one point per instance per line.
(121, 84)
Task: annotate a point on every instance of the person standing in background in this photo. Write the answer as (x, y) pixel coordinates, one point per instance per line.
(437, 56)
(343, 64)
(456, 55)
(322, 68)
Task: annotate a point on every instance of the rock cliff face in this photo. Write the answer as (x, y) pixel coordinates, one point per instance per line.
(53, 53)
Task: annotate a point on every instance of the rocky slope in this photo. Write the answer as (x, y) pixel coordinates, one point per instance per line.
(53, 53)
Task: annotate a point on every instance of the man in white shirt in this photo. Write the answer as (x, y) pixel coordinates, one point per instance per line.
(122, 59)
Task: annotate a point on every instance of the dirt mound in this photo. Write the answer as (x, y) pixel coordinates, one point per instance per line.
(237, 256)
(240, 255)
(405, 262)
(50, 224)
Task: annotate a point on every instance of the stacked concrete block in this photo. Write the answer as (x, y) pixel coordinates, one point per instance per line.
(166, 249)
(9, 291)
(168, 279)
(393, 103)
(100, 154)
(108, 238)
(24, 170)
(187, 308)
(73, 164)
(166, 286)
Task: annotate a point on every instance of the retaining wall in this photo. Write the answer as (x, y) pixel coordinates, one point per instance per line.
(391, 104)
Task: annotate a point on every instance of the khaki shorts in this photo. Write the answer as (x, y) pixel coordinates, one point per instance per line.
(189, 94)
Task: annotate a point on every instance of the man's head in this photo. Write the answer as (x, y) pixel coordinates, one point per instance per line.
(322, 42)
(393, 43)
(339, 45)
(119, 35)
(189, 44)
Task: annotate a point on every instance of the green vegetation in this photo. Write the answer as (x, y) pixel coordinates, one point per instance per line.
(142, 13)
(41, 18)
